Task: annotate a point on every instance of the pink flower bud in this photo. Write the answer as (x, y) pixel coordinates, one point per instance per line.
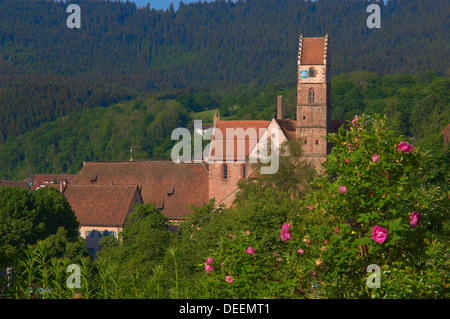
(414, 219)
(250, 250)
(375, 158)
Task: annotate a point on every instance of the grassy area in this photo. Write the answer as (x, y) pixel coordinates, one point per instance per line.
(206, 116)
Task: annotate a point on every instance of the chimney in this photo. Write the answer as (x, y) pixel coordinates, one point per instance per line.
(280, 107)
(62, 186)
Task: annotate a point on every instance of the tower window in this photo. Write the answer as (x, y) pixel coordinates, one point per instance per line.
(305, 141)
(225, 171)
(311, 72)
(311, 95)
(304, 117)
(317, 142)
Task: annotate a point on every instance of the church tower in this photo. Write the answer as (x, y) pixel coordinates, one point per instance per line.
(313, 98)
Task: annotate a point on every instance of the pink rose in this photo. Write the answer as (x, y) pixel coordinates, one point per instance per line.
(250, 250)
(404, 147)
(309, 207)
(342, 189)
(347, 160)
(208, 268)
(300, 251)
(375, 158)
(379, 234)
(228, 278)
(285, 234)
(414, 219)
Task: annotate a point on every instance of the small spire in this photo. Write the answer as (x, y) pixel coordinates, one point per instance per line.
(216, 118)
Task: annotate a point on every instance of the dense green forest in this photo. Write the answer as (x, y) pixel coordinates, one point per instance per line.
(120, 52)
(418, 107)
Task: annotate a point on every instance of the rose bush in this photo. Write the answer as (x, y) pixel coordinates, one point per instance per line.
(364, 209)
(372, 213)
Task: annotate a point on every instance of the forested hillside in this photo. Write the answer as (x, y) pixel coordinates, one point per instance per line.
(120, 52)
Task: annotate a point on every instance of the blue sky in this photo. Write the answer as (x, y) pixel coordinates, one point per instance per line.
(164, 4)
(161, 4)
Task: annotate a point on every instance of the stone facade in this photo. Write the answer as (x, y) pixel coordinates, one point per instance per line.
(223, 189)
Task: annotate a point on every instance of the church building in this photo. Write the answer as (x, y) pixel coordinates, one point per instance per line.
(173, 186)
(312, 125)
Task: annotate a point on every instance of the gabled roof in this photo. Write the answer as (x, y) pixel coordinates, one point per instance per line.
(249, 135)
(171, 186)
(289, 128)
(102, 205)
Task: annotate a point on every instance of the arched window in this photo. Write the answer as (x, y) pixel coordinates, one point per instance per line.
(311, 73)
(244, 171)
(311, 95)
(224, 171)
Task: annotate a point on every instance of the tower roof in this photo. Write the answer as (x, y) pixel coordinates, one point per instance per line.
(312, 50)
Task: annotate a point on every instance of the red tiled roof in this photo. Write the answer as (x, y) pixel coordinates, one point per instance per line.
(14, 184)
(289, 128)
(229, 132)
(102, 205)
(313, 50)
(44, 179)
(171, 186)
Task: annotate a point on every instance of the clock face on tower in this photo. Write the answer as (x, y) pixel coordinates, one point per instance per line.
(303, 74)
